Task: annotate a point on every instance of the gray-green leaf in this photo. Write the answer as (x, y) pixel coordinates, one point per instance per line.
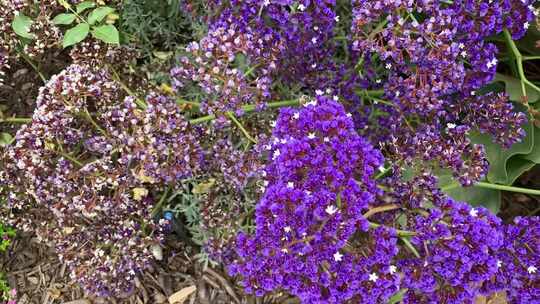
(99, 13)
(21, 26)
(6, 139)
(64, 19)
(81, 7)
(76, 34)
(106, 33)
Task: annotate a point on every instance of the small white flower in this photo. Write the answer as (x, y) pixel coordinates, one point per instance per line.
(287, 229)
(273, 123)
(451, 125)
(461, 46)
(336, 18)
(331, 209)
(266, 3)
(319, 92)
(532, 269)
(388, 66)
(349, 115)
(473, 212)
(335, 97)
(393, 269)
(526, 25)
(499, 263)
(378, 81)
(284, 250)
(473, 93)
(311, 103)
(290, 185)
(326, 139)
(296, 115)
(301, 7)
(373, 277)
(276, 154)
(397, 93)
(464, 54)
(311, 135)
(338, 256)
(382, 168)
(266, 183)
(314, 40)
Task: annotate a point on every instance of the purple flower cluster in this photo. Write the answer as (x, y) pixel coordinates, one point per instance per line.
(431, 59)
(86, 173)
(457, 245)
(317, 185)
(300, 33)
(519, 261)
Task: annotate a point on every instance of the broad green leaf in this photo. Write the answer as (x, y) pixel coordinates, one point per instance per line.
(475, 196)
(106, 33)
(76, 34)
(99, 13)
(81, 7)
(513, 88)
(64, 19)
(5, 139)
(21, 26)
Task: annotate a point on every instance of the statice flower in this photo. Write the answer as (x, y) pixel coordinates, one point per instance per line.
(457, 247)
(318, 182)
(211, 65)
(430, 70)
(301, 32)
(86, 173)
(518, 262)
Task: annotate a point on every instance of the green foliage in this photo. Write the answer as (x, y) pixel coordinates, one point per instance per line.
(155, 25)
(107, 33)
(21, 26)
(93, 23)
(64, 19)
(76, 34)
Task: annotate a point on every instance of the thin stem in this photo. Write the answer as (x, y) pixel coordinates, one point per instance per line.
(16, 120)
(383, 172)
(138, 101)
(507, 188)
(380, 209)
(400, 233)
(27, 59)
(531, 58)
(194, 104)
(410, 247)
(70, 158)
(249, 108)
(159, 205)
(519, 62)
(241, 127)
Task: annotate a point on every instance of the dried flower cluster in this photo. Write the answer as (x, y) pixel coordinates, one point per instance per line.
(86, 173)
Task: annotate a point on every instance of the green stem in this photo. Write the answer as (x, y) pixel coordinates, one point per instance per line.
(507, 188)
(410, 247)
(241, 127)
(194, 104)
(16, 120)
(519, 62)
(400, 233)
(70, 158)
(525, 58)
(159, 205)
(138, 101)
(27, 59)
(250, 108)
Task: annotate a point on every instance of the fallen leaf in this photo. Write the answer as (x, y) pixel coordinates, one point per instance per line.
(182, 295)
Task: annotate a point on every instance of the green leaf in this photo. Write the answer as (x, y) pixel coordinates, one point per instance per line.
(64, 19)
(21, 26)
(475, 196)
(99, 13)
(76, 34)
(106, 33)
(6, 139)
(81, 7)
(397, 297)
(513, 88)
